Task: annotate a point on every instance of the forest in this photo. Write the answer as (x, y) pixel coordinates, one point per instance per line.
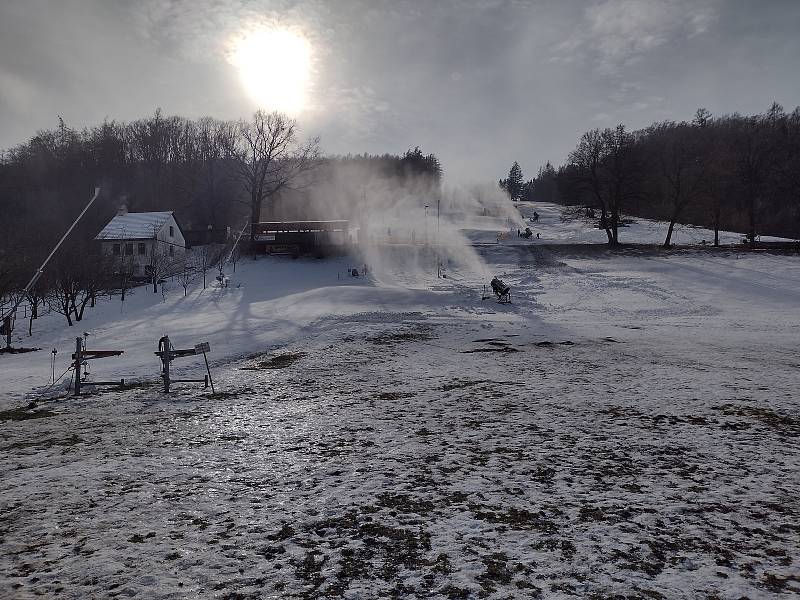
(733, 172)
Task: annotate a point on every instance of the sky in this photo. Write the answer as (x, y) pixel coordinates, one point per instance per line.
(480, 83)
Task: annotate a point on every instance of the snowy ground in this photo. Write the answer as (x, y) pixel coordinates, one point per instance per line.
(553, 230)
(628, 427)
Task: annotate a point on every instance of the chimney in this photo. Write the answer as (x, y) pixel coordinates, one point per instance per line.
(123, 207)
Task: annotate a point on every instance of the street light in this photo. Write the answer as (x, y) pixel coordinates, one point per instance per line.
(426, 224)
(438, 257)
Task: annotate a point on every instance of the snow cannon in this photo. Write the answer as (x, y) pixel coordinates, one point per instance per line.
(501, 290)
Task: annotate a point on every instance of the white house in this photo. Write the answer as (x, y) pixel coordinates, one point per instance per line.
(142, 239)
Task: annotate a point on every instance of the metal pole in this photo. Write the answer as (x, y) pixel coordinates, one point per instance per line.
(233, 248)
(205, 358)
(78, 347)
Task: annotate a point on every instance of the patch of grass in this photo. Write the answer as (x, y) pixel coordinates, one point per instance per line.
(24, 414)
(45, 443)
(567, 549)
(514, 518)
(309, 569)
(390, 396)
(459, 385)
(278, 361)
(230, 394)
(404, 503)
(452, 592)
(505, 349)
(543, 474)
(608, 514)
(384, 549)
(397, 337)
(635, 561)
(141, 385)
(284, 533)
(354, 564)
(497, 571)
(784, 424)
(778, 584)
(5, 350)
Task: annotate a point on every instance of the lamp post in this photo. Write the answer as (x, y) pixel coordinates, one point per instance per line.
(426, 224)
(438, 257)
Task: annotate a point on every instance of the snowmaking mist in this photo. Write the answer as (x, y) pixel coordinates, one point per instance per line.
(408, 228)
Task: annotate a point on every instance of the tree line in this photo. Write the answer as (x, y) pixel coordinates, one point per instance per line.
(734, 172)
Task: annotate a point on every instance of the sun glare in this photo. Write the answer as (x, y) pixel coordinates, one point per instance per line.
(275, 68)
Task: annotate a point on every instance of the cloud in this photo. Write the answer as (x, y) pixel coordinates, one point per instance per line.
(16, 94)
(615, 32)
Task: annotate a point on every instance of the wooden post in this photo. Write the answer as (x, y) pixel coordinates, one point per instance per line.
(165, 359)
(205, 358)
(78, 357)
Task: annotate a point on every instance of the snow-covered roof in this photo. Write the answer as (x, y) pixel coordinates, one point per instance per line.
(132, 226)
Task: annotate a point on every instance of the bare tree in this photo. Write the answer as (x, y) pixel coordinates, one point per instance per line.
(621, 174)
(35, 297)
(207, 257)
(159, 266)
(64, 289)
(235, 253)
(588, 161)
(186, 274)
(267, 157)
(681, 170)
(603, 170)
(122, 269)
(77, 279)
(92, 279)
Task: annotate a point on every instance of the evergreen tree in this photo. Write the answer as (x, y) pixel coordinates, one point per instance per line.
(513, 185)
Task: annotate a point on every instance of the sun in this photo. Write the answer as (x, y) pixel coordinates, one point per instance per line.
(275, 68)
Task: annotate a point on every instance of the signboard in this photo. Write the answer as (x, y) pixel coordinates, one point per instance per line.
(202, 348)
(265, 238)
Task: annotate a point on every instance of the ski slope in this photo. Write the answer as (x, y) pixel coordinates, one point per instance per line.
(628, 426)
(553, 230)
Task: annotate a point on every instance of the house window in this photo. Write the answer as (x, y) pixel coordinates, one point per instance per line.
(116, 250)
(135, 269)
(142, 249)
(171, 231)
(172, 250)
(128, 249)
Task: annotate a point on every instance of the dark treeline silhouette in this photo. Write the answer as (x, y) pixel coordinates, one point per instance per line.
(735, 172)
(211, 173)
(342, 187)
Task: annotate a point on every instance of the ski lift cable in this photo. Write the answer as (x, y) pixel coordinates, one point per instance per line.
(235, 244)
(40, 270)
